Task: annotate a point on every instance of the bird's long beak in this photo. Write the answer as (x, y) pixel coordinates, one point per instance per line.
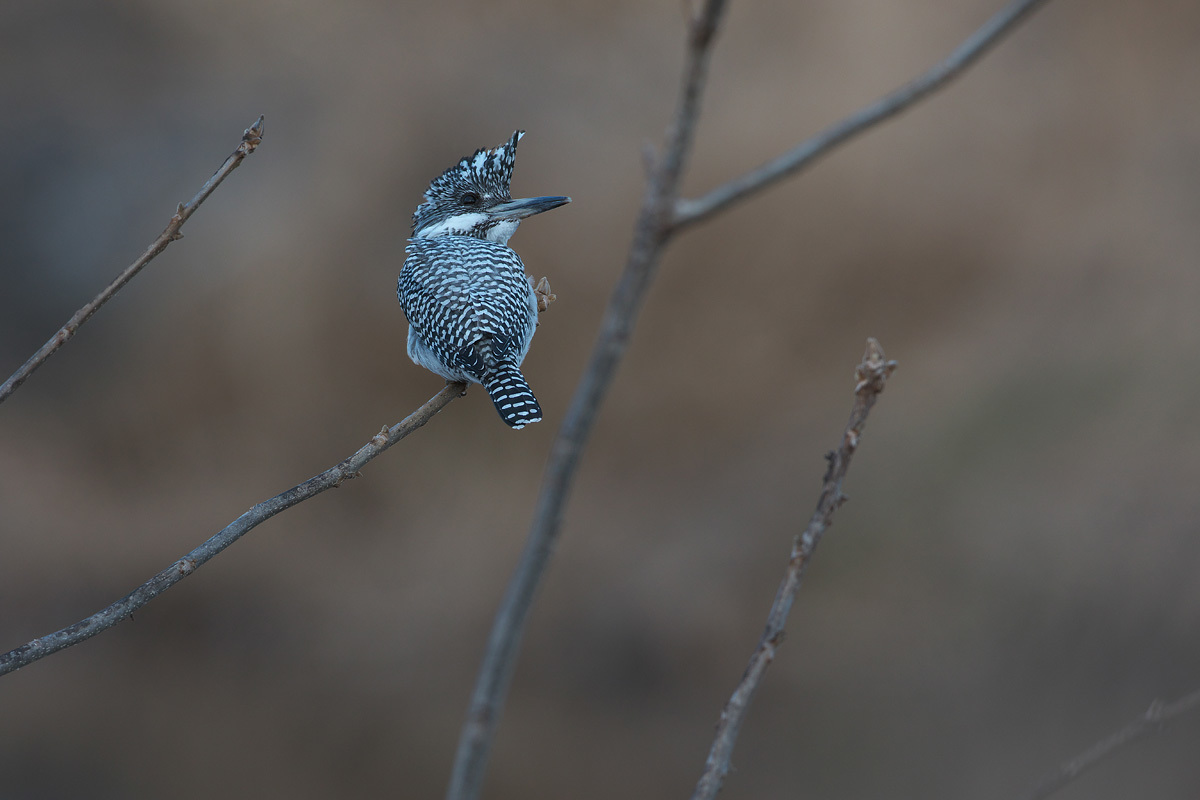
(526, 207)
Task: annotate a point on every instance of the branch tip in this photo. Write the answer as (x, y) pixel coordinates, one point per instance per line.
(874, 370)
(252, 136)
(545, 296)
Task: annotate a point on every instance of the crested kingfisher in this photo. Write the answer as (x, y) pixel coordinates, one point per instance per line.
(471, 308)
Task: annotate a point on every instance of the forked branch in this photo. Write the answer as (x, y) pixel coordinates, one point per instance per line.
(123, 608)
(662, 215)
(251, 138)
(689, 212)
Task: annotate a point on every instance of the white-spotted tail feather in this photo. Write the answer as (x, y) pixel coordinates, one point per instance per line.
(512, 396)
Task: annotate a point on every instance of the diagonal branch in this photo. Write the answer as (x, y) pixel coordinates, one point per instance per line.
(251, 138)
(349, 468)
(871, 375)
(651, 234)
(689, 212)
(1153, 721)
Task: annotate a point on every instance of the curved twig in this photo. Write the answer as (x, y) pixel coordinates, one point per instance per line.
(123, 608)
(689, 212)
(251, 138)
(871, 376)
(1153, 721)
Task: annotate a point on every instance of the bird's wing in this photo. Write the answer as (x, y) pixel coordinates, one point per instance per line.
(457, 291)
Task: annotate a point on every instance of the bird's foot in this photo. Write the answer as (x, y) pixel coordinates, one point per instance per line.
(544, 296)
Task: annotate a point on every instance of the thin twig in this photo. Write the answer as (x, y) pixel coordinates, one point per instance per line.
(871, 375)
(650, 236)
(1153, 721)
(251, 138)
(123, 608)
(689, 212)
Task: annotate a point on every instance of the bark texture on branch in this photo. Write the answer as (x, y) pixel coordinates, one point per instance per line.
(122, 609)
(870, 378)
(251, 138)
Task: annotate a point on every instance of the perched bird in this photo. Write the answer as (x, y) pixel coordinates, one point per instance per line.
(471, 308)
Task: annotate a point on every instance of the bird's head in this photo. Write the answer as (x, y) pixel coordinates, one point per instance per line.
(471, 198)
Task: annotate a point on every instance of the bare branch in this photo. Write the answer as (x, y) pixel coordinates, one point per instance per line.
(330, 478)
(1153, 721)
(661, 216)
(871, 375)
(689, 212)
(651, 234)
(251, 138)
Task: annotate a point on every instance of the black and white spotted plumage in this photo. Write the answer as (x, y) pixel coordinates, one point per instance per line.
(471, 315)
(470, 305)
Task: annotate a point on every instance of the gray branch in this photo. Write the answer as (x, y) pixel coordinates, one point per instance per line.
(651, 234)
(662, 215)
(251, 138)
(1153, 721)
(871, 376)
(689, 212)
(123, 608)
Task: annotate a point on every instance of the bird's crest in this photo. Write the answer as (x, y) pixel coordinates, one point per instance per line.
(485, 173)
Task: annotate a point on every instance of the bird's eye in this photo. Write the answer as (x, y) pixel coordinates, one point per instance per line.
(469, 198)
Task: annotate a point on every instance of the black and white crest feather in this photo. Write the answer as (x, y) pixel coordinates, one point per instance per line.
(486, 173)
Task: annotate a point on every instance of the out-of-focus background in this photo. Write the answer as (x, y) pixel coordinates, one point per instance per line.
(1014, 577)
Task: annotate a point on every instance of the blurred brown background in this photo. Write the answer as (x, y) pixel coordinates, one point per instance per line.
(1015, 574)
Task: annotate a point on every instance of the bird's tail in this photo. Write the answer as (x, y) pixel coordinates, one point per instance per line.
(512, 396)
